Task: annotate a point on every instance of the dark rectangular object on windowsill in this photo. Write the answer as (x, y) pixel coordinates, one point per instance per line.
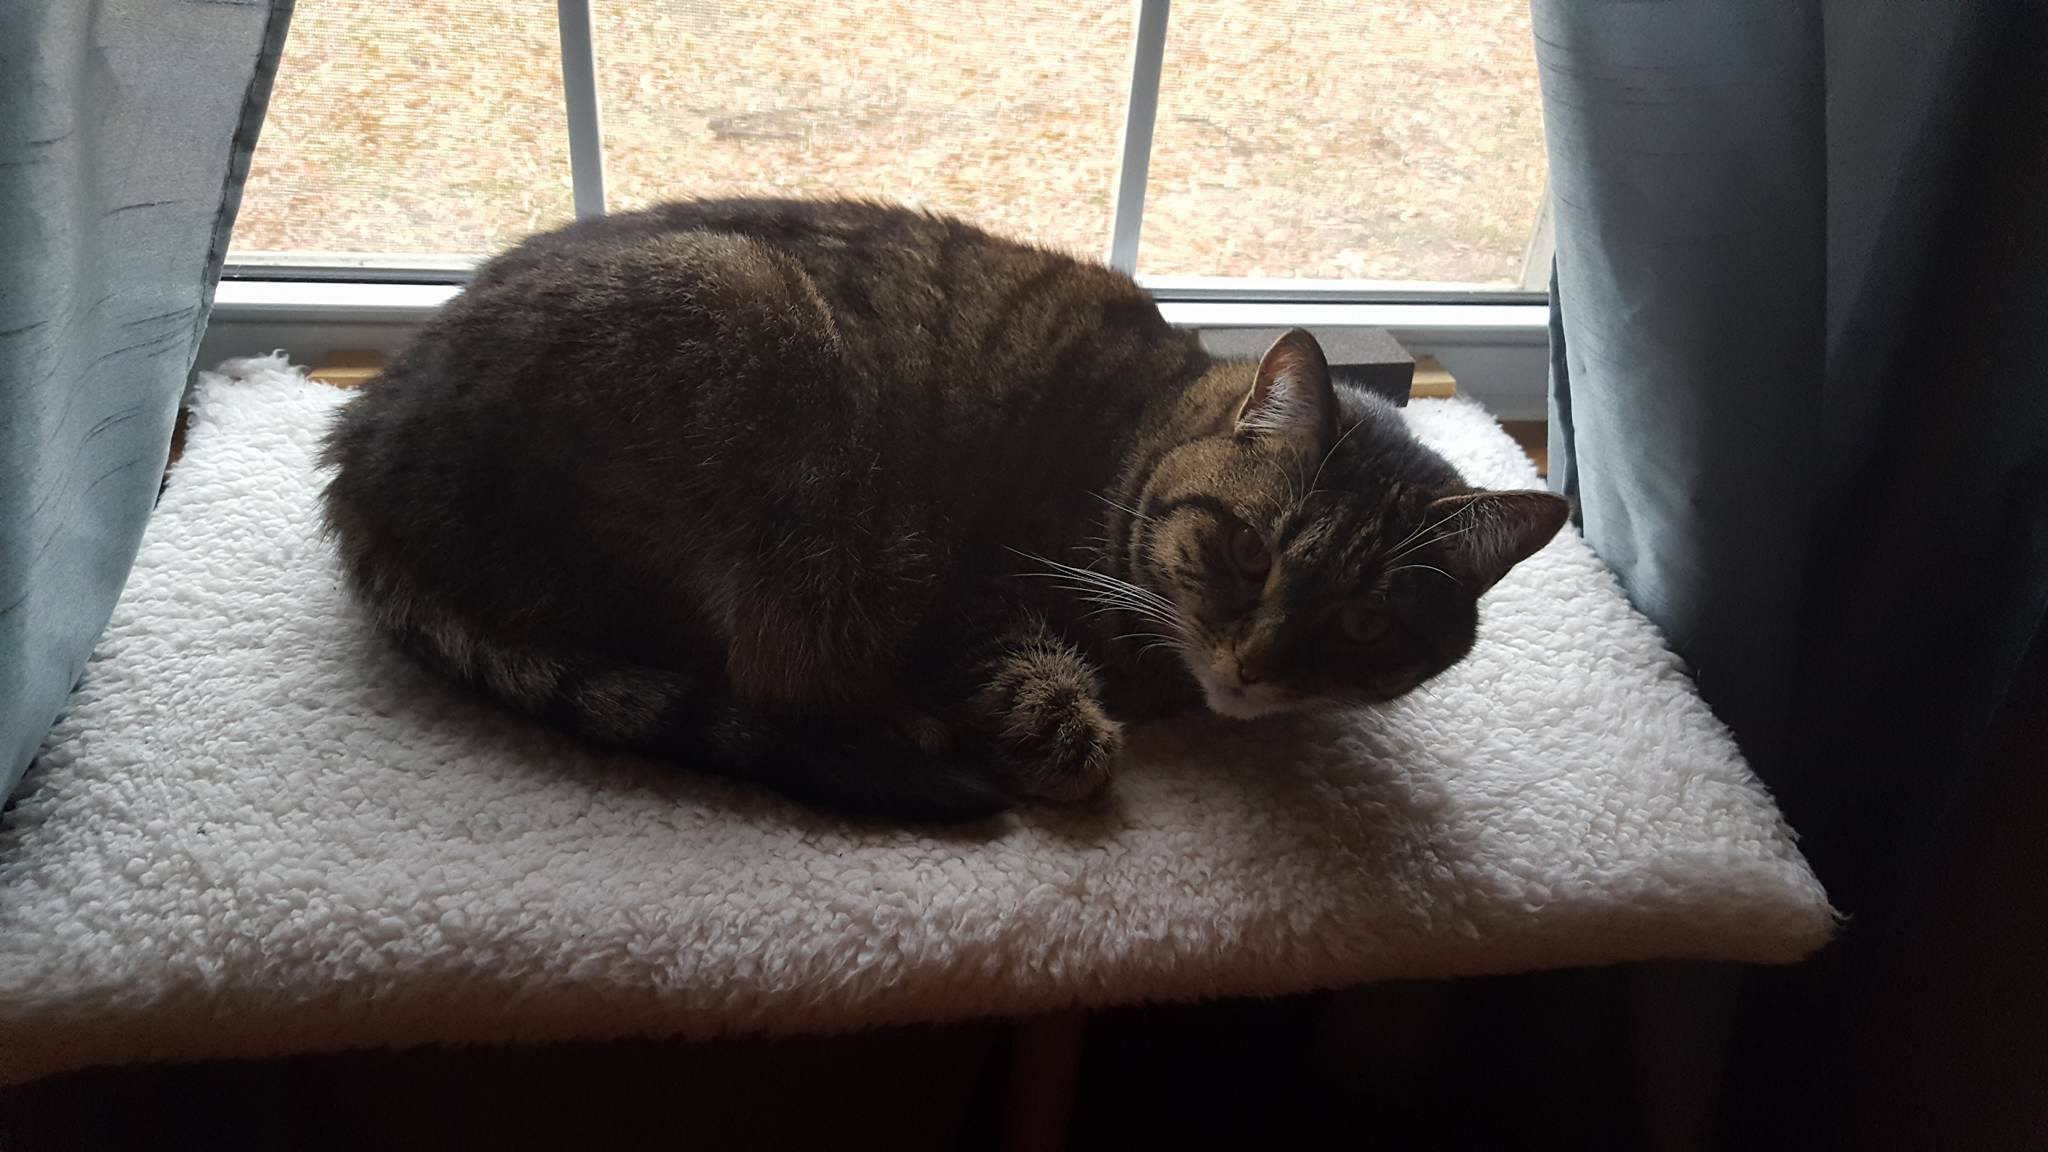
(1367, 358)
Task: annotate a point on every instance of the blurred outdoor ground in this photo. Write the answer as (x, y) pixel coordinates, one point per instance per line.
(1379, 140)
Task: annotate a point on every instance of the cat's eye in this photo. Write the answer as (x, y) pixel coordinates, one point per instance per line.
(1248, 552)
(1363, 624)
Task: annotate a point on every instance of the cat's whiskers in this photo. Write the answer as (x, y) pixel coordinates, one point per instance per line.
(1406, 544)
(1156, 645)
(1107, 592)
(1110, 605)
(1318, 477)
(1453, 514)
(1120, 506)
(1432, 541)
(1297, 494)
(1159, 640)
(1101, 579)
(1148, 615)
(1109, 595)
(1113, 594)
(1426, 568)
(1179, 642)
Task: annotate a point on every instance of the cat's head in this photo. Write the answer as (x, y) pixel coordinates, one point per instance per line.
(1314, 551)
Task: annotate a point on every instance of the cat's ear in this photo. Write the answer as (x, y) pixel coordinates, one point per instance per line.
(1291, 396)
(1484, 534)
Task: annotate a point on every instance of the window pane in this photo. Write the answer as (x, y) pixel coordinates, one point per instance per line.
(421, 128)
(1004, 111)
(1378, 140)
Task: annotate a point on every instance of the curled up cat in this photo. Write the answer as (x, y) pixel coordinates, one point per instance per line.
(889, 514)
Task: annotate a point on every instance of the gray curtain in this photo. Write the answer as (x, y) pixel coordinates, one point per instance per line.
(1800, 395)
(125, 132)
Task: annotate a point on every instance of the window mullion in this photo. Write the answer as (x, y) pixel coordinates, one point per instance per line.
(579, 97)
(1134, 146)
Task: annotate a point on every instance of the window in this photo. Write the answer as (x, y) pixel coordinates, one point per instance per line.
(410, 134)
(1325, 139)
(1004, 111)
(1379, 145)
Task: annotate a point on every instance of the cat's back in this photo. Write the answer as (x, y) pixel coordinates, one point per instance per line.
(854, 249)
(735, 355)
(907, 291)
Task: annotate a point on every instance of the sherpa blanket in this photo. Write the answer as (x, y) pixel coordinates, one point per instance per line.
(260, 830)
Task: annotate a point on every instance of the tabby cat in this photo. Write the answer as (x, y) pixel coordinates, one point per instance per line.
(887, 513)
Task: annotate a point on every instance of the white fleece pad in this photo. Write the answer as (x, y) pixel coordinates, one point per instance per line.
(261, 830)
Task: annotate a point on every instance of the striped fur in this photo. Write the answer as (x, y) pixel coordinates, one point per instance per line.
(883, 511)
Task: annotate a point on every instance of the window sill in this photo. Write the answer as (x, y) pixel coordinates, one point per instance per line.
(1497, 349)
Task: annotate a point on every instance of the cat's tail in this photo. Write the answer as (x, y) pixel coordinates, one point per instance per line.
(672, 716)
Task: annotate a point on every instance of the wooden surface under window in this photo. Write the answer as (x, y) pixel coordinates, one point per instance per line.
(1534, 437)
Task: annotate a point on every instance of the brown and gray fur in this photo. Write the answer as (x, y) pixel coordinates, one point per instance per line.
(886, 512)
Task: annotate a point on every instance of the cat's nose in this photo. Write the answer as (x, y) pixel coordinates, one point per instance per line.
(1250, 669)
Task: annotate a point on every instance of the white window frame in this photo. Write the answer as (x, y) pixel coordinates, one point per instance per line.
(1493, 341)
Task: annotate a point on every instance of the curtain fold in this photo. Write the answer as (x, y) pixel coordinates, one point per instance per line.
(1800, 395)
(126, 128)
(1689, 201)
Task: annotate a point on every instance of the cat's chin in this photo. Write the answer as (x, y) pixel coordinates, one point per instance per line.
(1248, 703)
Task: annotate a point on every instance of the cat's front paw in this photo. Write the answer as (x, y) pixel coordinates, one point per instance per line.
(1054, 741)
(1070, 753)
